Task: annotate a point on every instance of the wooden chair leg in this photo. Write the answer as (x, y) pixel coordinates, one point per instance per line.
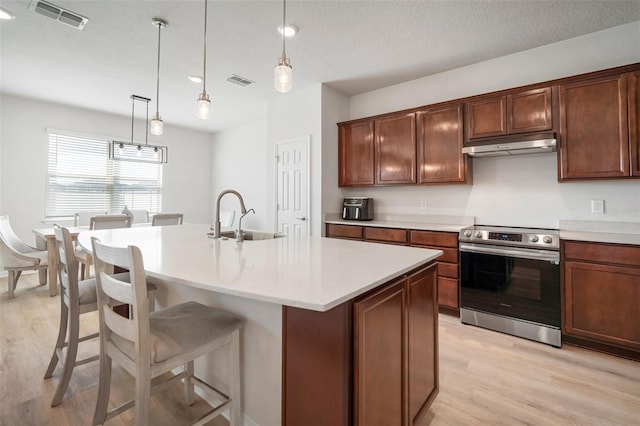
(69, 361)
(42, 272)
(83, 267)
(142, 405)
(62, 334)
(11, 282)
(235, 417)
(188, 383)
(104, 388)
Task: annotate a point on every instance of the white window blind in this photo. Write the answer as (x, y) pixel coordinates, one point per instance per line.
(80, 176)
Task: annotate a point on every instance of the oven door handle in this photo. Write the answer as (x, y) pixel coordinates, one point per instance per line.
(551, 256)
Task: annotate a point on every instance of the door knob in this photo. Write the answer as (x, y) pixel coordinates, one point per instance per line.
(301, 218)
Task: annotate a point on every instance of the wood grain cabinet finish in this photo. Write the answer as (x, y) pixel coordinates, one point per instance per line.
(440, 140)
(594, 128)
(602, 293)
(396, 352)
(519, 112)
(349, 232)
(395, 149)
(634, 122)
(356, 151)
(386, 235)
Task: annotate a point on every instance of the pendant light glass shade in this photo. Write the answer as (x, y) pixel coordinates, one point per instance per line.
(283, 73)
(283, 76)
(156, 126)
(204, 104)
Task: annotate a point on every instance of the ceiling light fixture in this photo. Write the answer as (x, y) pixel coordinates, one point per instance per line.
(136, 151)
(157, 126)
(204, 104)
(283, 72)
(5, 15)
(289, 30)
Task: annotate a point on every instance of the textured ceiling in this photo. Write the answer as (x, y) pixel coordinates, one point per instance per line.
(354, 46)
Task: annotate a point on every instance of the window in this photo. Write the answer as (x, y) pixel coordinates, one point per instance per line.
(80, 176)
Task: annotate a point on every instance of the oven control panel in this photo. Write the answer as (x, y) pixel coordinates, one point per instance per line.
(548, 239)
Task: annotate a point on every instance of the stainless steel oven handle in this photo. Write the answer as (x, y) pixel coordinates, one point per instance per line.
(551, 256)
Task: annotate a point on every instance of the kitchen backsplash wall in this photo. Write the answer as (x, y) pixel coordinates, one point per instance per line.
(514, 191)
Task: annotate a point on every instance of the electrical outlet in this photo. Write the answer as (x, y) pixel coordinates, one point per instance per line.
(423, 204)
(597, 206)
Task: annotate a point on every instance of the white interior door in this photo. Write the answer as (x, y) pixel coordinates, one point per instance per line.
(292, 214)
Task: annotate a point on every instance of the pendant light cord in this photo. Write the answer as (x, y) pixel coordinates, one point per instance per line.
(158, 79)
(284, 20)
(204, 75)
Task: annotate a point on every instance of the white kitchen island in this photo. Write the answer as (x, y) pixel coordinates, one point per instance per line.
(268, 281)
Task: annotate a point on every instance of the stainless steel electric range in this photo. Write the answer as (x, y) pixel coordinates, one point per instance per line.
(510, 281)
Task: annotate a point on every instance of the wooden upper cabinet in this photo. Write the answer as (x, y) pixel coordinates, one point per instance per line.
(519, 112)
(594, 128)
(634, 122)
(487, 117)
(440, 141)
(395, 142)
(356, 154)
(529, 111)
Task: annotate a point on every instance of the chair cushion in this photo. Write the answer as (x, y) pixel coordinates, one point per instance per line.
(182, 328)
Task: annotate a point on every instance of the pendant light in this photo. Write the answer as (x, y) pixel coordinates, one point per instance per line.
(283, 72)
(157, 125)
(204, 104)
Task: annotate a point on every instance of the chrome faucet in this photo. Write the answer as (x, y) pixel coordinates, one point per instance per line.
(239, 233)
(243, 209)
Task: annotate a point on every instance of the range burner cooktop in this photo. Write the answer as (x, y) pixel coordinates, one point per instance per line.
(547, 239)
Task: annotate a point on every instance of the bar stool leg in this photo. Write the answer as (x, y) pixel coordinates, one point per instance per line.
(188, 383)
(104, 388)
(69, 360)
(235, 417)
(62, 334)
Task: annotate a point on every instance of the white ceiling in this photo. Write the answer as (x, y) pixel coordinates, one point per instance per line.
(354, 46)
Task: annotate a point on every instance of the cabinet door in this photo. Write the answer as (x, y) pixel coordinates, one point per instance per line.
(422, 342)
(396, 149)
(348, 232)
(379, 338)
(356, 154)
(602, 303)
(593, 128)
(440, 142)
(448, 292)
(529, 111)
(634, 122)
(487, 117)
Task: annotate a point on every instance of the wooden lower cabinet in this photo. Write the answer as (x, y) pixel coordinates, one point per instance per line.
(348, 232)
(602, 296)
(370, 361)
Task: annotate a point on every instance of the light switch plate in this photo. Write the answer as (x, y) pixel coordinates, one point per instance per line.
(597, 206)
(423, 204)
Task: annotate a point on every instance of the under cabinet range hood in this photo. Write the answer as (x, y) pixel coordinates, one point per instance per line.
(501, 147)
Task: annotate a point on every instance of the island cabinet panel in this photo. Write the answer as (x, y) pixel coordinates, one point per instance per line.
(440, 141)
(386, 235)
(379, 355)
(594, 128)
(370, 361)
(395, 142)
(356, 151)
(350, 232)
(634, 123)
(601, 289)
(487, 117)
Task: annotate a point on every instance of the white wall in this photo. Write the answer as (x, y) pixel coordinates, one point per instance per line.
(24, 146)
(239, 159)
(522, 190)
(292, 115)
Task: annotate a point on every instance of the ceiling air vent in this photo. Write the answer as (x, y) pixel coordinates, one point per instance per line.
(240, 81)
(61, 15)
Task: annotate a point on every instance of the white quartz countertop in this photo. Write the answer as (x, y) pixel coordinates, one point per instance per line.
(309, 272)
(421, 226)
(601, 232)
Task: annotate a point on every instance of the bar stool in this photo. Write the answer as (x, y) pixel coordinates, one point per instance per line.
(149, 345)
(76, 298)
(162, 219)
(102, 221)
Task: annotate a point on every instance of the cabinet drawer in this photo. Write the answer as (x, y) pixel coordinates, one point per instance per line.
(448, 292)
(449, 255)
(386, 235)
(344, 231)
(447, 270)
(604, 253)
(431, 238)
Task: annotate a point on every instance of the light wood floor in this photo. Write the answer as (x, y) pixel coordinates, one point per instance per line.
(486, 378)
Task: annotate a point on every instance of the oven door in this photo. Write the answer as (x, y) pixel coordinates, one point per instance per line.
(513, 282)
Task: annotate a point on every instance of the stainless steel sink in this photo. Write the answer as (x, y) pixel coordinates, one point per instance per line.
(252, 235)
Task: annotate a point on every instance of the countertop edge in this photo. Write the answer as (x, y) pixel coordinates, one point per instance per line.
(440, 227)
